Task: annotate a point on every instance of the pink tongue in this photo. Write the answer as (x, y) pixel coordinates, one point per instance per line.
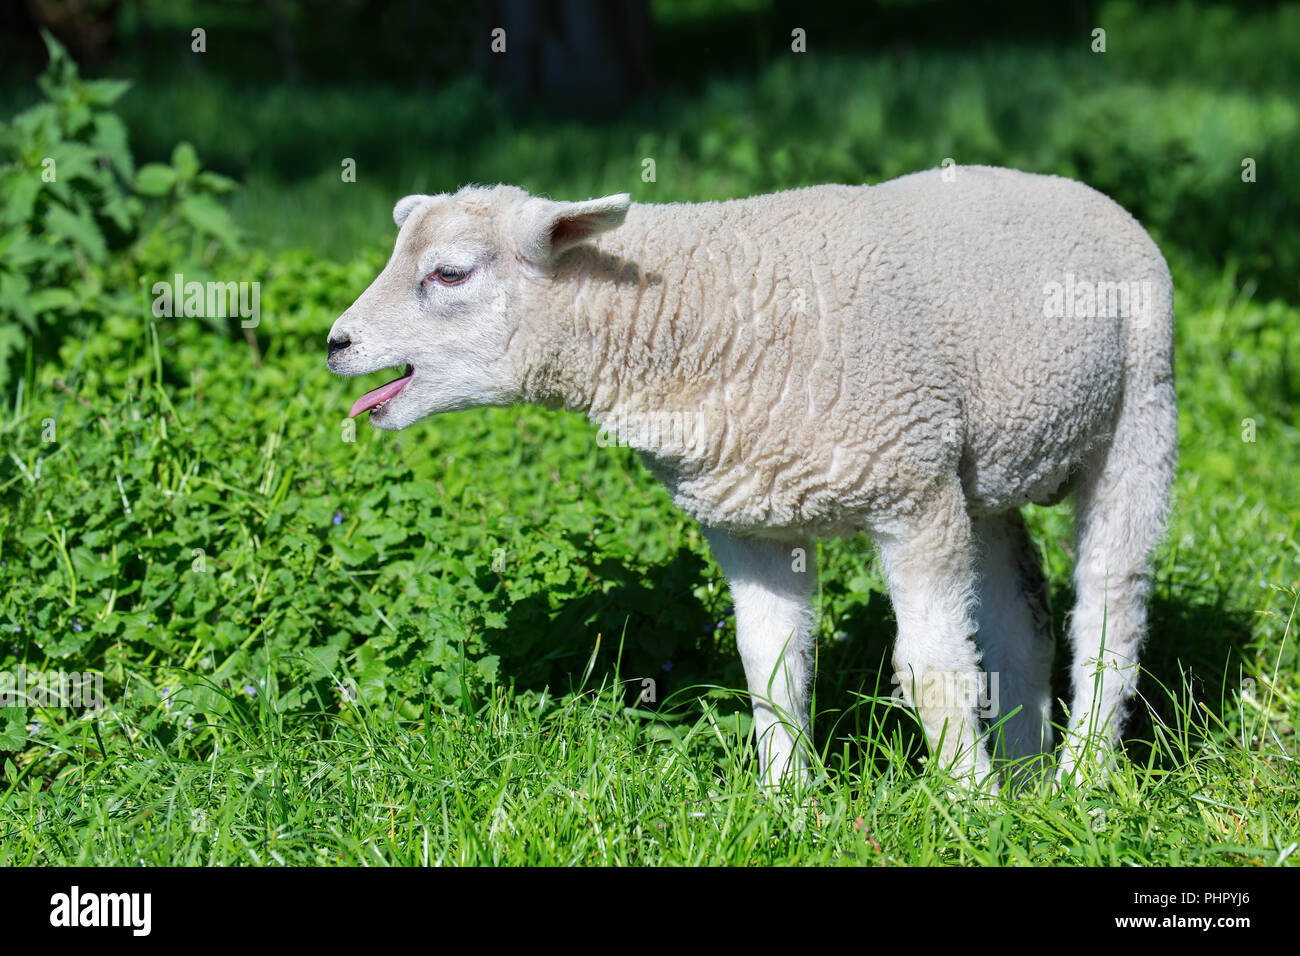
(382, 394)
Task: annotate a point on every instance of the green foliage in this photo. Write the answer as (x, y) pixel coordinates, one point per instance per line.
(64, 170)
(196, 512)
(75, 232)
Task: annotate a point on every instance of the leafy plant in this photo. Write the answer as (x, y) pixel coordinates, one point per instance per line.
(76, 226)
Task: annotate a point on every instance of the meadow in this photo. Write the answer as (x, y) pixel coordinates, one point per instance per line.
(491, 639)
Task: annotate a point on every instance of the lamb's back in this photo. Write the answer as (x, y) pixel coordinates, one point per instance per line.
(856, 342)
(998, 261)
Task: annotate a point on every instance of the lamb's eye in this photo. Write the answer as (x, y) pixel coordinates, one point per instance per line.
(446, 275)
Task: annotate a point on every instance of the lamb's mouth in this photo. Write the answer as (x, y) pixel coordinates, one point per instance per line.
(374, 401)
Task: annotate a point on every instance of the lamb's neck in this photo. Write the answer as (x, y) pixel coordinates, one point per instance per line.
(590, 338)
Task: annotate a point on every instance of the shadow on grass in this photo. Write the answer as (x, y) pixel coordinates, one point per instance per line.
(1197, 640)
(672, 637)
(1195, 644)
(1195, 652)
(681, 642)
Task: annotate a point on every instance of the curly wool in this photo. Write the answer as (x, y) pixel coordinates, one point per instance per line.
(835, 352)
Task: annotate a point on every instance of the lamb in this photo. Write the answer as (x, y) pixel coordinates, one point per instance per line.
(915, 360)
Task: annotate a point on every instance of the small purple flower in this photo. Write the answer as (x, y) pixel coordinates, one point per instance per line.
(250, 690)
(338, 517)
(76, 625)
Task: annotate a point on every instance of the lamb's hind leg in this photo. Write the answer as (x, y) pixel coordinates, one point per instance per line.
(772, 584)
(1119, 516)
(929, 565)
(1015, 635)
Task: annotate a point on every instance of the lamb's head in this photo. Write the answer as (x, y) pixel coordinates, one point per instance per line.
(463, 270)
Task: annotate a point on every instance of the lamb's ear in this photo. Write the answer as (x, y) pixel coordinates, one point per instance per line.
(552, 227)
(405, 206)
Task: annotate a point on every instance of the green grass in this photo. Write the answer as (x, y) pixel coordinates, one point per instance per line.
(584, 779)
(428, 647)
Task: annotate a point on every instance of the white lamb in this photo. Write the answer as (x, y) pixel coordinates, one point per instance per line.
(916, 360)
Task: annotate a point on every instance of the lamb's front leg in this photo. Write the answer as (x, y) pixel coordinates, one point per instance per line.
(772, 584)
(930, 566)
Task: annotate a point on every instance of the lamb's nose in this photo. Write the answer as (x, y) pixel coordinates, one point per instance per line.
(339, 344)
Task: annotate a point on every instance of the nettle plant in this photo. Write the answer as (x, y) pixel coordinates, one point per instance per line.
(80, 226)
